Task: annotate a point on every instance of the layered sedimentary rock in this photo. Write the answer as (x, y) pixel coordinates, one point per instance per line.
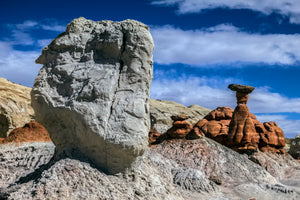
(30, 132)
(175, 169)
(271, 137)
(92, 93)
(179, 130)
(15, 106)
(180, 127)
(242, 134)
(239, 129)
(162, 111)
(18, 161)
(215, 125)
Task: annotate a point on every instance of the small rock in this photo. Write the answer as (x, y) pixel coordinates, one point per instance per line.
(179, 117)
(241, 88)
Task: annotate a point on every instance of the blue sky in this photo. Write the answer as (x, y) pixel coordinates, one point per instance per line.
(201, 46)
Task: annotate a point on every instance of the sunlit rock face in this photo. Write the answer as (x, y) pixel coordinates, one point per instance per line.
(92, 93)
(15, 106)
(239, 129)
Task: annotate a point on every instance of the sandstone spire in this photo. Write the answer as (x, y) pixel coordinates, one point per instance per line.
(242, 134)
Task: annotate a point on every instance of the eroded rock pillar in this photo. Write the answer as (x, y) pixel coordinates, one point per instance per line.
(242, 134)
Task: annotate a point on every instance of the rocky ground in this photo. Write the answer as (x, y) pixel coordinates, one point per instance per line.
(176, 169)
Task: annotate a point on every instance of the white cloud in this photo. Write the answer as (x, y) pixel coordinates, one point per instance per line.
(18, 66)
(30, 24)
(263, 101)
(223, 44)
(213, 92)
(57, 28)
(289, 8)
(44, 42)
(21, 33)
(190, 91)
(290, 127)
(26, 25)
(22, 38)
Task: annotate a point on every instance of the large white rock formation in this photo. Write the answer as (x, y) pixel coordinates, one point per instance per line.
(92, 93)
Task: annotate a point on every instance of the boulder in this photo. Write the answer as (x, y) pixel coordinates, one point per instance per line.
(15, 106)
(214, 125)
(30, 132)
(295, 147)
(179, 130)
(180, 127)
(92, 93)
(241, 88)
(272, 139)
(154, 137)
(161, 112)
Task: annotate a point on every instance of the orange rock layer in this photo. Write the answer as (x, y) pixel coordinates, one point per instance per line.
(243, 133)
(30, 132)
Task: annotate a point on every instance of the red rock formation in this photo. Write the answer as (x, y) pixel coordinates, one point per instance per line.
(154, 137)
(30, 132)
(242, 135)
(180, 127)
(179, 130)
(239, 129)
(215, 125)
(272, 138)
(221, 113)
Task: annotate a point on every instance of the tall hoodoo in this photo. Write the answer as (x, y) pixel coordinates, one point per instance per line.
(242, 133)
(92, 93)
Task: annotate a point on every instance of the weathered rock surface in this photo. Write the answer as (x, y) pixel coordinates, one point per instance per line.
(226, 171)
(295, 147)
(154, 137)
(272, 138)
(287, 144)
(19, 161)
(241, 88)
(281, 166)
(215, 125)
(268, 136)
(180, 127)
(161, 112)
(15, 106)
(239, 129)
(30, 132)
(92, 93)
(175, 169)
(242, 135)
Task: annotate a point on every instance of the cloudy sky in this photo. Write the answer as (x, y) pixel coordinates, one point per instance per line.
(201, 46)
